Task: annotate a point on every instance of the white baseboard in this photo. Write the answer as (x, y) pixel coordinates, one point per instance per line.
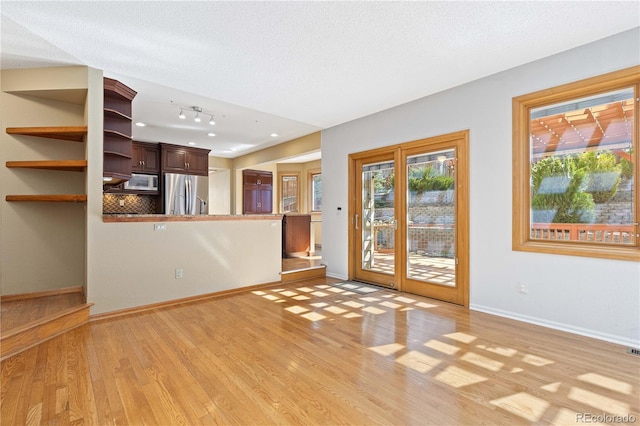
(557, 326)
(340, 277)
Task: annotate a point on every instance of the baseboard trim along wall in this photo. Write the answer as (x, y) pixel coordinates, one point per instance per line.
(182, 301)
(556, 326)
(38, 294)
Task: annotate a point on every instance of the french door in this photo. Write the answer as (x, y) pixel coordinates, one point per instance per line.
(409, 217)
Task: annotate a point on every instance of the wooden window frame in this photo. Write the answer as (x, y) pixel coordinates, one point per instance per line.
(522, 105)
(280, 191)
(310, 176)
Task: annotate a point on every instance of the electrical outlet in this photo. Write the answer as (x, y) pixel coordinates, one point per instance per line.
(159, 227)
(179, 273)
(523, 288)
(121, 202)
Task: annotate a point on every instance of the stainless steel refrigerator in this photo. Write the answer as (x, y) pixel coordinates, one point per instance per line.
(185, 194)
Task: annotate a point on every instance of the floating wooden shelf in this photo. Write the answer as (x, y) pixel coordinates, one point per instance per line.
(67, 165)
(65, 133)
(116, 178)
(57, 198)
(116, 114)
(115, 134)
(117, 154)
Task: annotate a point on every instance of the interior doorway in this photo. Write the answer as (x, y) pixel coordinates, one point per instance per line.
(409, 215)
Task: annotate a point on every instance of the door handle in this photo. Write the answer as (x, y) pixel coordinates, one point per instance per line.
(357, 219)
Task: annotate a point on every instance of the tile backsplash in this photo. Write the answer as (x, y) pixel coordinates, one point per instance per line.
(139, 204)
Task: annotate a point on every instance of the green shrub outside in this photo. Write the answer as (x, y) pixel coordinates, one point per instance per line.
(422, 179)
(565, 190)
(603, 174)
(558, 192)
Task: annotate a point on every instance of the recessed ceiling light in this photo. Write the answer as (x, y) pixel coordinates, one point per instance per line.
(211, 134)
(192, 143)
(274, 135)
(140, 124)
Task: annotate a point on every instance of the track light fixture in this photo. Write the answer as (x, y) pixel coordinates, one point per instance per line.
(198, 110)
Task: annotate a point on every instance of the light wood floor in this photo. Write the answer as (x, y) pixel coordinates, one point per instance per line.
(309, 353)
(20, 312)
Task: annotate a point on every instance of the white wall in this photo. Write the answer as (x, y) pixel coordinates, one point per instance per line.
(595, 297)
(220, 192)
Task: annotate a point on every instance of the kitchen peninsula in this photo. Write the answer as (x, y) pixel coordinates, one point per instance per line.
(148, 260)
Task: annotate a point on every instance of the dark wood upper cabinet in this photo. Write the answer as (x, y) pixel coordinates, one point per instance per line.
(186, 160)
(117, 130)
(145, 158)
(257, 190)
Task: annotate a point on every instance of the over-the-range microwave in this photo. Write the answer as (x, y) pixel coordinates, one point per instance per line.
(140, 182)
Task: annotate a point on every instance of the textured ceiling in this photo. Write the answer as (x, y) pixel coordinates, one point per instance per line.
(294, 67)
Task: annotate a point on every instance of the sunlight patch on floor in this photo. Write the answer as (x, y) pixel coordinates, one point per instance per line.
(313, 316)
(403, 299)
(598, 401)
(607, 383)
(296, 309)
(538, 361)
(482, 361)
(335, 310)
(524, 405)
(457, 377)
(418, 361)
(271, 297)
(461, 337)
(373, 310)
(552, 387)
(301, 297)
(426, 305)
(508, 352)
(386, 350)
(439, 346)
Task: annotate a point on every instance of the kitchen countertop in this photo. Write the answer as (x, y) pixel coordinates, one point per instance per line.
(111, 218)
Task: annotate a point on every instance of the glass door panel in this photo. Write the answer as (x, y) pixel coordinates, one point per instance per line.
(375, 220)
(431, 227)
(410, 217)
(378, 218)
